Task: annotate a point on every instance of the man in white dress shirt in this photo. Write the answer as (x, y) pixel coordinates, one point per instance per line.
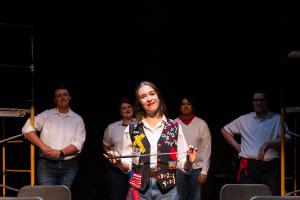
(62, 136)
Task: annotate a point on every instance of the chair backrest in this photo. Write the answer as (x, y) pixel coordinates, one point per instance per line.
(275, 198)
(21, 198)
(47, 192)
(243, 191)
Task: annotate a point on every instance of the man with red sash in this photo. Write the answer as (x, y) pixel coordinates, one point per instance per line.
(260, 141)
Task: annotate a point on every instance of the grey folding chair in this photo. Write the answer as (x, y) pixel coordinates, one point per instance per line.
(21, 198)
(243, 191)
(275, 198)
(47, 192)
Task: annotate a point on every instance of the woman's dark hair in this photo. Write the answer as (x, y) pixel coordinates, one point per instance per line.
(191, 99)
(124, 100)
(139, 111)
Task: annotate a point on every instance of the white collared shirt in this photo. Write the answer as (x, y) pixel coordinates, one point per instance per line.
(113, 135)
(255, 132)
(197, 134)
(153, 135)
(58, 130)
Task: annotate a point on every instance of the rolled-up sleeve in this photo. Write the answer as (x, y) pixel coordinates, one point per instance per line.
(79, 135)
(38, 123)
(233, 127)
(106, 137)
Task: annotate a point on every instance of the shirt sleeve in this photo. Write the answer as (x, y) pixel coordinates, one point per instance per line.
(206, 153)
(182, 148)
(233, 127)
(38, 123)
(79, 135)
(106, 137)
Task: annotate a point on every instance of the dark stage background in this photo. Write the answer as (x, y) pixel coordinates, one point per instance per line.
(216, 51)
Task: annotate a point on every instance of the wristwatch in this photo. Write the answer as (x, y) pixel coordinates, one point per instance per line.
(61, 155)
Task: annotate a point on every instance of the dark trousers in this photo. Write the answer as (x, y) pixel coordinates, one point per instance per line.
(56, 172)
(117, 183)
(188, 187)
(263, 172)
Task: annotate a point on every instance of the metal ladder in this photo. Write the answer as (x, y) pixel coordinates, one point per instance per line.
(295, 113)
(15, 113)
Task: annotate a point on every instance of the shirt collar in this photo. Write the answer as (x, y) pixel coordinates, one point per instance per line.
(132, 121)
(268, 115)
(67, 114)
(163, 120)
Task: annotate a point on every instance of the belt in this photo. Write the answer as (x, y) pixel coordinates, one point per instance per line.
(262, 161)
(154, 174)
(58, 160)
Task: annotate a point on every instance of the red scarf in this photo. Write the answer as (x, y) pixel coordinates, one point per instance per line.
(243, 167)
(185, 120)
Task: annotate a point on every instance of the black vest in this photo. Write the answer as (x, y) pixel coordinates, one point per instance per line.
(166, 164)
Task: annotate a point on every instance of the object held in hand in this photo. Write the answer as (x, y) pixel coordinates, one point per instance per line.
(137, 153)
(113, 156)
(143, 155)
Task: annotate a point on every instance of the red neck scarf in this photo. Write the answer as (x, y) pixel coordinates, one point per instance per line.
(186, 120)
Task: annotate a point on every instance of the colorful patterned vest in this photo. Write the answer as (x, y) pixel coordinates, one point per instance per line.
(166, 164)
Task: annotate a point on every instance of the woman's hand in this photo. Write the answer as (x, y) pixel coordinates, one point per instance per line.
(111, 156)
(192, 154)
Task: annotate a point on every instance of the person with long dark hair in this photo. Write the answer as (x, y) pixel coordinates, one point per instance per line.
(197, 133)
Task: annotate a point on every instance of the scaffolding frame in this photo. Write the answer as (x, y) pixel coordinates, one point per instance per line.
(293, 55)
(289, 111)
(17, 112)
